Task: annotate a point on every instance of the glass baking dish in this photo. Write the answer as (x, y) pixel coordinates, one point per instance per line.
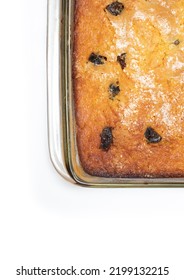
(61, 120)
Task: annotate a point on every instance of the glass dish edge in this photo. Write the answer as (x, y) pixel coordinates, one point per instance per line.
(61, 129)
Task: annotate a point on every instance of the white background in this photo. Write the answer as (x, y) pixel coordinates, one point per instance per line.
(46, 221)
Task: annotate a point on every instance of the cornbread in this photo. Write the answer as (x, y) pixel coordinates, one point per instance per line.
(128, 78)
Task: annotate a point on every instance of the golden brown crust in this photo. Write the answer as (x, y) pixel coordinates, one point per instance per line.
(151, 87)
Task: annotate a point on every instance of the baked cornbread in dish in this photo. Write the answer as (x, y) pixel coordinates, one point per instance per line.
(128, 77)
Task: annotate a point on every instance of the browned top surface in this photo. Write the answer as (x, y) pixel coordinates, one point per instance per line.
(151, 87)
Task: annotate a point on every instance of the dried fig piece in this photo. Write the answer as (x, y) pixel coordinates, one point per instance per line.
(114, 90)
(115, 8)
(152, 136)
(177, 42)
(97, 59)
(106, 138)
(122, 60)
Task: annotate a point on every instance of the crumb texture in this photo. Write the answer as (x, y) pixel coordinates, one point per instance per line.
(128, 76)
